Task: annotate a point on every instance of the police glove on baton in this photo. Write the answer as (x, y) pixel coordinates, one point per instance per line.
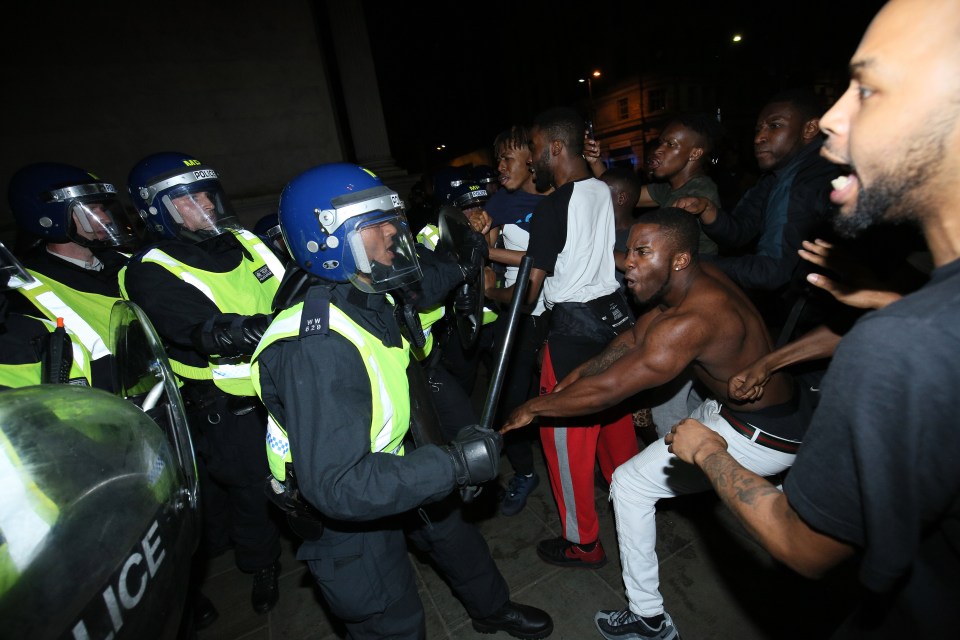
(475, 453)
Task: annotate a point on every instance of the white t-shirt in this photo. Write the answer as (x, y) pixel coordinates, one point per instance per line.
(571, 238)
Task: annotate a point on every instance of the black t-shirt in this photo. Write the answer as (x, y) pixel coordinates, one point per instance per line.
(879, 465)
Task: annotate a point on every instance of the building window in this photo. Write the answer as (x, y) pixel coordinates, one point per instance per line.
(657, 99)
(623, 108)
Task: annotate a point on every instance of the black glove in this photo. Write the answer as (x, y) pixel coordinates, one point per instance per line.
(475, 453)
(478, 243)
(229, 334)
(466, 300)
(473, 252)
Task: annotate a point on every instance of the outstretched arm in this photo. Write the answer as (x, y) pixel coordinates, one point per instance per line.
(747, 385)
(762, 509)
(618, 373)
(612, 352)
(503, 295)
(862, 289)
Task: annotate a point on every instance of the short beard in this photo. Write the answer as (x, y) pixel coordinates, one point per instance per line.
(902, 193)
(897, 197)
(542, 175)
(657, 296)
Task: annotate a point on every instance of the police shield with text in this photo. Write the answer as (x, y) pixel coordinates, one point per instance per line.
(331, 370)
(98, 512)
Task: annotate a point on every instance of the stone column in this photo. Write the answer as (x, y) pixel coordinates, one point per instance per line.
(358, 80)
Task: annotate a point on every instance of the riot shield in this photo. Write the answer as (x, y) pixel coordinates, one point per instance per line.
(454, 229)
(97, 536)
(143, 376)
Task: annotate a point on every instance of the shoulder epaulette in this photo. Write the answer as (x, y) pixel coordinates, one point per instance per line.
(315, 317)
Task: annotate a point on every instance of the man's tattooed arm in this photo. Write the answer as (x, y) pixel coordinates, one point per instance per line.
(600, 363)
(768, 516)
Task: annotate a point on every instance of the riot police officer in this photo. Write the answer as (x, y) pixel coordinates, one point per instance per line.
(72, 222)
(35, 351)
(207, 287)
(332, 371)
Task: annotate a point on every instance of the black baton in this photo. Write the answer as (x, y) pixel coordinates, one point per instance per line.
(506, 345)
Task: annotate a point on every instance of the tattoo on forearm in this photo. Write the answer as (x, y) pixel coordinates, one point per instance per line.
(604, 360)
(735, 484)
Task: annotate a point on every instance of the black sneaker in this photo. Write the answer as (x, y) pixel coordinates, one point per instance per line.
(626, 625)
(563, 553)
(265, 589)
(518, 491)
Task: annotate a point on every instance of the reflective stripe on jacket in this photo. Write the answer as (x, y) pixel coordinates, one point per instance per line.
(386, 369)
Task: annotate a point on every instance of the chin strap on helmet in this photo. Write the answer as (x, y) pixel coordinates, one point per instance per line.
(405, 312)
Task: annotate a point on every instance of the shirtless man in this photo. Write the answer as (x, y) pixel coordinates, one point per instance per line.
(699, 317)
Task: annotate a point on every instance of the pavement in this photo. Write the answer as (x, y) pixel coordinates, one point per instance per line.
(716, 582)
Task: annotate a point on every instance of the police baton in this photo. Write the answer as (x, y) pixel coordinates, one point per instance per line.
(506, 345)
(468, 493)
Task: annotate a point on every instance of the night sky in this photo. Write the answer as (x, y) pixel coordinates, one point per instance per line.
(461, 84)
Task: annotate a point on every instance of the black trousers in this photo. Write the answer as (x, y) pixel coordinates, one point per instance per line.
(232, 467)
(368, 582)
(522, 382)
(453, 405)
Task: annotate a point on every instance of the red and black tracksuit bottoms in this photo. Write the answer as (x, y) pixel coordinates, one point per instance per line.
(570, 452)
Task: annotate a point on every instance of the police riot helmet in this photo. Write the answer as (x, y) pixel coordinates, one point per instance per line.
(469, 195)
(180, 197)
(341, 223)
(60, 203)
(484, 174)
(268, 229)
(445, 180)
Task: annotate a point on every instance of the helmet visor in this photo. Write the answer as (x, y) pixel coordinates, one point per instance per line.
(200, 211)
(12, 273)
(99, 222)
(383, 251)
(96, 217)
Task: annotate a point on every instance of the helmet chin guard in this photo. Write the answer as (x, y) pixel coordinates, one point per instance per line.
(342, 224)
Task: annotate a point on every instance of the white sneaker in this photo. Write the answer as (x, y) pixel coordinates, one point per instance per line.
(626, 625)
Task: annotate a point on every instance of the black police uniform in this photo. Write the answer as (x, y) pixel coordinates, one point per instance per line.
(317, 387)
(228, 431)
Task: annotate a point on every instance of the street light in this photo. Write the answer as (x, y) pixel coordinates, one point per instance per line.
(589, 80)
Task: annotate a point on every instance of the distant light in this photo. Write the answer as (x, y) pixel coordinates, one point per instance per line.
(439, 148)
(737, 38)
(443, 146)
(581, 80)
(596, 74)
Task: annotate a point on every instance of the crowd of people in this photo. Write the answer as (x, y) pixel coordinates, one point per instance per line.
(779, 350)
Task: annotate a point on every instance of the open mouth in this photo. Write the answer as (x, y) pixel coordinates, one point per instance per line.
(845, 188)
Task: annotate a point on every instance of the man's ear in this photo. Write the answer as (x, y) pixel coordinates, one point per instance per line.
(696, 153)
(811, 129)
(556, 147)
(621, 198)
(681, 261)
